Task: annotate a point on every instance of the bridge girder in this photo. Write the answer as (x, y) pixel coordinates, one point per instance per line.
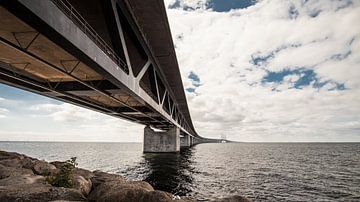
(68, 60)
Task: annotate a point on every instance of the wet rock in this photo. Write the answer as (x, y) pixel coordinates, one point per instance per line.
(44, 168)
(13, 171)
(29, 192)
(23, 179)
(101, 177)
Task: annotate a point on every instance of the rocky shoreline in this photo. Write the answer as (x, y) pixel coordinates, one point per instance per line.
(24, 178)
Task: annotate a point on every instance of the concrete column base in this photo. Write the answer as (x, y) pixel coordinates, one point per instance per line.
(185, 141)
(159, 142)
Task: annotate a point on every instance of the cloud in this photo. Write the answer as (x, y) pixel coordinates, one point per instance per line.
(65, 112)
(271, 70)
(274, 71)
(3, 111)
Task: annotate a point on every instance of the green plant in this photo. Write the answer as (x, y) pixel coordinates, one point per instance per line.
(63, 177)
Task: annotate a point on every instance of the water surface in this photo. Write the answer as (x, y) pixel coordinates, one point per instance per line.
(259, 171)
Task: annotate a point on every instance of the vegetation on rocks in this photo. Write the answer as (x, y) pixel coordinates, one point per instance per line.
(63, 177)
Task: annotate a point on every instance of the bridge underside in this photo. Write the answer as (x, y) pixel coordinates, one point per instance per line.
(115, 57)
(31, 61)
(33, 57)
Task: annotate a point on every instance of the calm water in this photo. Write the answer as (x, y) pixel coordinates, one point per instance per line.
(259, 171)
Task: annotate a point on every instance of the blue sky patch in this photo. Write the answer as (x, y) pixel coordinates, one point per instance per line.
(306, 77)
(259, 59)
(195, 80)
(190, 90)
(215, 5)
(227, 5)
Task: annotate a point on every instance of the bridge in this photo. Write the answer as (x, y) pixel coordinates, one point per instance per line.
(116, 57)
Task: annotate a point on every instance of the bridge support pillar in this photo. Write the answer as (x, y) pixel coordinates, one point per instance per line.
(185, 141)
(159, 142)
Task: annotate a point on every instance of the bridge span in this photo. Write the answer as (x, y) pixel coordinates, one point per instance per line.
(116, 57)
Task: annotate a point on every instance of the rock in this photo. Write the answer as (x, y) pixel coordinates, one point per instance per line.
(9, 155)
(85, 173)
(23, 179)
(157, 196)
(234, 199)
(58, 164)
(44, 168)
(101, 177)
(29, 192)
(126, 191)
(11, 171)
(82, 184)
(14, 162)
(28, 162)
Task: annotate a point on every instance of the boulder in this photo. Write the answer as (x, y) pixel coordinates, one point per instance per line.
(14, 162)
(58, 164)
(82, 184)
(85, 173)
(44, 168)
(13, 171)
(29, 192)
(157, 196)
(9, 155)
(23, 179)
(28, 162)
(101, 177)
(126, 191)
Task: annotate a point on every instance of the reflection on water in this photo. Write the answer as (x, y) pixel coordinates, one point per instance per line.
(172, 172)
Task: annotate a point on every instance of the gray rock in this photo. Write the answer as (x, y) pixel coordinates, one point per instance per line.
(82, 184)
(157, 196)
(85, 173)
(23, 179)
(58, 164)
(9, 155)
(29, 192)
(14, 162)
(44, 168)
(127, 191)
(101, 177)
(11, 171)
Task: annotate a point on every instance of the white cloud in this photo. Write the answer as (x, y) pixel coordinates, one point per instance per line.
(3, 112)
(65, 112)
(232, 99)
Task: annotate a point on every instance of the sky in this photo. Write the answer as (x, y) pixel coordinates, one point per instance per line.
(256, 71)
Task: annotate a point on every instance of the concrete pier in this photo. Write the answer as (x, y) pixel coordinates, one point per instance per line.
(185, 141)
(158, 142)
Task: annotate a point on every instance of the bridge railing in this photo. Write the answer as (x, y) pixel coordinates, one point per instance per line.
(75, 16)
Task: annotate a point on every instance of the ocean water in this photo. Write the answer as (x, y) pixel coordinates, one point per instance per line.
(259, 171)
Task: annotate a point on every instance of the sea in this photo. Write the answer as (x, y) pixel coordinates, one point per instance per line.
(258, 171)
